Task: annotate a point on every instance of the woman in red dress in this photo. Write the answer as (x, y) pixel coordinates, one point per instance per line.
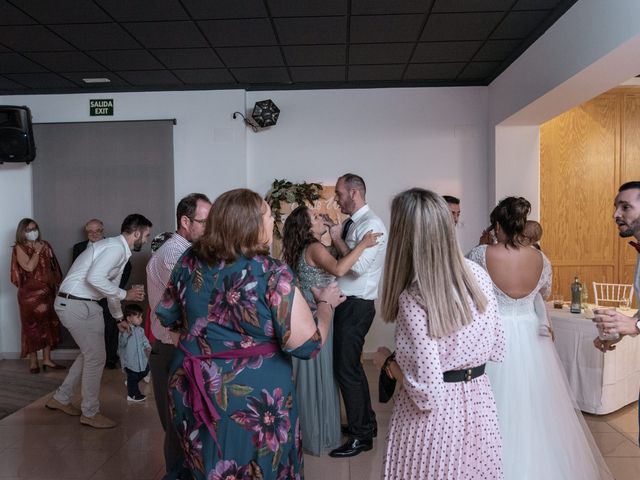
(36, 273)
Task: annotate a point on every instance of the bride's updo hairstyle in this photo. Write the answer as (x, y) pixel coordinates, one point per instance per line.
(511, 214)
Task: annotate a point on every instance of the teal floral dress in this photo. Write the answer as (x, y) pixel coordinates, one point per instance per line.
(223, 310)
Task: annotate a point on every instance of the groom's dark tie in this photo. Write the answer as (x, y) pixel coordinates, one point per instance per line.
(345, 228)
(633, 244)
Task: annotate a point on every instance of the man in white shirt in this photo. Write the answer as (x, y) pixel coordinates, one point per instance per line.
(94, 275)
(191, 217)
(354, 316)
(627, 217)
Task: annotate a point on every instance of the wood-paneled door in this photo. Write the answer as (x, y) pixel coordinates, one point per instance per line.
(585, 155)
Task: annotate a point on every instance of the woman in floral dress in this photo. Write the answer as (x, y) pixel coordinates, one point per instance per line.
(241, 317)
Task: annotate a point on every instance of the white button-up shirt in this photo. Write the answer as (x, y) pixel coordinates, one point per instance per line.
(96, 273)
(159, 270)
(363, 278)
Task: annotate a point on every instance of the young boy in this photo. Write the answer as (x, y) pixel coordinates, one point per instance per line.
(133, 349)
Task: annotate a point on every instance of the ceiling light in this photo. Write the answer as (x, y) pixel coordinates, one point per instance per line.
(96, 80)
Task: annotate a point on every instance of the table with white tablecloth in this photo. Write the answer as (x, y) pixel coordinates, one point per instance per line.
(601, 382)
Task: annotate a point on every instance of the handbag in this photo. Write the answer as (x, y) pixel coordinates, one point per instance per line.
(386, 384)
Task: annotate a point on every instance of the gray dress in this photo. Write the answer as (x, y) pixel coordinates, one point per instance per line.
(317, 390)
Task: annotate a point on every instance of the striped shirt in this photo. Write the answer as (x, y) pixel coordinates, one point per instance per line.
(159, 270)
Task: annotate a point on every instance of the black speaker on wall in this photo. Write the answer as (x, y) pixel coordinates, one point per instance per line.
(16, 135)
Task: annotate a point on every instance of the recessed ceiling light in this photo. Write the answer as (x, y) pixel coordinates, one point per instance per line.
(96, 80)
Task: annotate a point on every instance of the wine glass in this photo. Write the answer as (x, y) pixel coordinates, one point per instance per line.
(625, 303)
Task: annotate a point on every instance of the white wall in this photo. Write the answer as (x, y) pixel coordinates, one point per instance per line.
(399, 138)
(209, 157)
(395, 139)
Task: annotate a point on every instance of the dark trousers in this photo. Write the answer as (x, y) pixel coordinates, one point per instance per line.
(133, 378)
(110, 333)
(351, 323)
(160, 362)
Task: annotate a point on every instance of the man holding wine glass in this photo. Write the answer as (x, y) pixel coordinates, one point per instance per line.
(613, 325)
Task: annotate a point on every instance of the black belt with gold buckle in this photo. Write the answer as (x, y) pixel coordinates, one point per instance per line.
(463, 375)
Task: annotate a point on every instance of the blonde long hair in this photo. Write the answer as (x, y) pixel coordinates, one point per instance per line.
(423, 249)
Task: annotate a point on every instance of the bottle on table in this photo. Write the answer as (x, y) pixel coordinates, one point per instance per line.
(576, 296)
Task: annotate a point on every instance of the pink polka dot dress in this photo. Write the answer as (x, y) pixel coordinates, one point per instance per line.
(444, 430)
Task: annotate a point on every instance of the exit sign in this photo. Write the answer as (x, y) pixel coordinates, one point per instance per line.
(101, 107)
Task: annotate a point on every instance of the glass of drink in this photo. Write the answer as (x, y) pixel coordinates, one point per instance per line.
(602, 334)
(558, 300)
(625, 303)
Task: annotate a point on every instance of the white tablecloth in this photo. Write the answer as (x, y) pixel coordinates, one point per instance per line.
(601, 383)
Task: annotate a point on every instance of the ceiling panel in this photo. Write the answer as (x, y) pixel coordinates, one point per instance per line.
(167, 34)
(143, 10)
(315, 55)
(15, 63)
(445, 6)
(385, 28)
(203, 9)
(63, 11)
(230, 33)
(318, 74)
(460, 26)
(251, 56)
(96, 36)
(305, 8)
(373, 73)
(31, 38)
(261, 75)
(65, 61)
(372, 7)
(10, 15)
(263, 44)
(311, 31)
(188, 58)
(157, 78)
(205, 76)
(445, 52)
(380, 53)
(127, 59)
(434, 71)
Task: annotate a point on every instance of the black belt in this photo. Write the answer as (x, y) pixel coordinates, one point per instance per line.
(463, 375)
(73, 297)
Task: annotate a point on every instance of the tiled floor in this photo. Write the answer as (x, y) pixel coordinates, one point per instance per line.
(37, 444)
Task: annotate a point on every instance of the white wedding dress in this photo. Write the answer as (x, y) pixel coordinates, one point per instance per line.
(544, 435)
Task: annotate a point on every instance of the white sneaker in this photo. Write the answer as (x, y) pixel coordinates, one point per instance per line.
(136, 398)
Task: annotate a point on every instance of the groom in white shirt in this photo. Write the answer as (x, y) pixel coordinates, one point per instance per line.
(95, 274)
(354, 316)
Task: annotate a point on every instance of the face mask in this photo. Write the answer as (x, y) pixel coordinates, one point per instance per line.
(32, 236)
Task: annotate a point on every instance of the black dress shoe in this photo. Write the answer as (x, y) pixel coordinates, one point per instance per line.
(345, 431)
(351, 448)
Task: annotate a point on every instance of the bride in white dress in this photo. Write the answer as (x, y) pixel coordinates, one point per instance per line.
(544, 434)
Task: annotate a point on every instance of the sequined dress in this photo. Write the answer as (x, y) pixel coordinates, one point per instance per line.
(318, 401)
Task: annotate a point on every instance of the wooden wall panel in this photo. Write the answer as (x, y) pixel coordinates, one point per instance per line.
(579, 158)
(629, 170)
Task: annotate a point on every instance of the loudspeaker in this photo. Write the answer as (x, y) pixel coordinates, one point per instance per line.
(16, 135)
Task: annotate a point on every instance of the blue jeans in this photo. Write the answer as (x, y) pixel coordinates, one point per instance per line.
(132, 381)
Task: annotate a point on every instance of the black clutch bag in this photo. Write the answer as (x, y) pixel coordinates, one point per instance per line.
(386, 384)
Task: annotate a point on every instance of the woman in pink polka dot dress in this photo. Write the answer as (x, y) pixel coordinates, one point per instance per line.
(444, 423)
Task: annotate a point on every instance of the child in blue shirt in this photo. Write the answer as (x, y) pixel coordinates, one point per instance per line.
(133, 349)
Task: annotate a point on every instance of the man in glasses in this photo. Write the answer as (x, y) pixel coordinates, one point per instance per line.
(94, 229)
(191, 219)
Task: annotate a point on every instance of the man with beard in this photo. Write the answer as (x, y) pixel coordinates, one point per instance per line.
(94, 275)
(627, 217)
(94, 230)
(354, 316)
(191, 218)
